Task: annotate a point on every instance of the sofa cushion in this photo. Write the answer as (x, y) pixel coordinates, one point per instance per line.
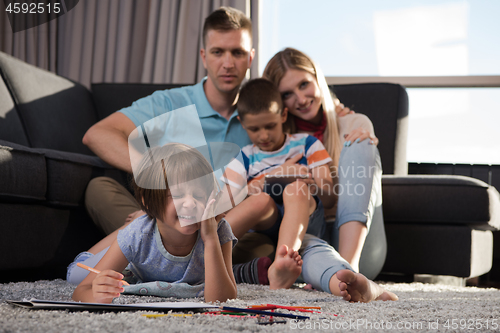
(11, 128)
(111, 97)
(31, 233)
(23, 173)
(386, 104)
(55, 111)
(68, 175)
(438, 249)
(56, 177)
(440, 199)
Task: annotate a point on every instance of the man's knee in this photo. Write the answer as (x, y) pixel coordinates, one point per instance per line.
(94, 190)
(109, 203)
(97, 183)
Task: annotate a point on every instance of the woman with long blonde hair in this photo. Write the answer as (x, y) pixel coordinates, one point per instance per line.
(358, 232)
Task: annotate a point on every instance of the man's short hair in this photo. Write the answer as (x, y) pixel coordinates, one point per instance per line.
(258, 96)
(226, 18)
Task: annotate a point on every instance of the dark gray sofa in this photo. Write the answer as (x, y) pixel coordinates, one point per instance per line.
(434, 224)
(44, 171)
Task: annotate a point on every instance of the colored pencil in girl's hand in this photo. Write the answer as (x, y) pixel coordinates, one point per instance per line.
(93, 270)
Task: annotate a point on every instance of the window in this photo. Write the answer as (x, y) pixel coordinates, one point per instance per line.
(445, 52)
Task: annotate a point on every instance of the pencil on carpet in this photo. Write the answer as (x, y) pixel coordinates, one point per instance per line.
(93, 270)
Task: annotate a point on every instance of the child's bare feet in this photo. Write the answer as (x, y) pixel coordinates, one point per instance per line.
(355, 287)
(285, 269)
(308, 287)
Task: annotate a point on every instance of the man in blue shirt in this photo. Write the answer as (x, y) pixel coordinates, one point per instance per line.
(227, 55)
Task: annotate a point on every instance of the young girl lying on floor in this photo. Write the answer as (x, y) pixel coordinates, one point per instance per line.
(169, 243)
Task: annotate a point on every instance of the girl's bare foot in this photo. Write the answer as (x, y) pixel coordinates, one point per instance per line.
(285, 269)
(308, 287)
(355, 287)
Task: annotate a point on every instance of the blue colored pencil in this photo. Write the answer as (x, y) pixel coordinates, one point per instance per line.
(267, 313)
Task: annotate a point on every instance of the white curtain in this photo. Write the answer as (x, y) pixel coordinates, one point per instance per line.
(146, 41)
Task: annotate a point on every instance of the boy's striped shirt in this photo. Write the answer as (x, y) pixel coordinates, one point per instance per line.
(258, 163)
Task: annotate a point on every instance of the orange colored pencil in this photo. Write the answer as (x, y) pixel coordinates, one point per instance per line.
(93, 270)
(274, 306)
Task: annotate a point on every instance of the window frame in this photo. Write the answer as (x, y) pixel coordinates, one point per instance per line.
(472, 81)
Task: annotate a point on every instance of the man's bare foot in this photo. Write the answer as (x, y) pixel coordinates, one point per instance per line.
(285, 269)
(355, 287)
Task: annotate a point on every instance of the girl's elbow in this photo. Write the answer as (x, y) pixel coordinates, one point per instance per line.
(234, 294)
(222, 298)
(77, 297)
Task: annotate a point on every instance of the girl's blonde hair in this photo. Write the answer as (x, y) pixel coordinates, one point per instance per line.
(291, 58)
(179, 163)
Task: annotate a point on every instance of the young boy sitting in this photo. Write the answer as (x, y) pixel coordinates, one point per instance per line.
(273, 152)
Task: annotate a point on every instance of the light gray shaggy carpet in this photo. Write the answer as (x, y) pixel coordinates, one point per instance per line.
(421, 307)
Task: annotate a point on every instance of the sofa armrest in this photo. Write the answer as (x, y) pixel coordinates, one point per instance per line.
(440, 199)
(439, 224)
(50, 176)
(68, 175)
(23, 173)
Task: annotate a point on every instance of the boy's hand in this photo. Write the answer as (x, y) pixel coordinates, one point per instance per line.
(312, 186)
(255, 186)
(106, 286)
(291, 167)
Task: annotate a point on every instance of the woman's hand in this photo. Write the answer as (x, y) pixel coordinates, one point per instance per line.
(341, 110)
(358, 135)
(106, 286)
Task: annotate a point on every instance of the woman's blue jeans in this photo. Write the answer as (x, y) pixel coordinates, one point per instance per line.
(360, 199)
